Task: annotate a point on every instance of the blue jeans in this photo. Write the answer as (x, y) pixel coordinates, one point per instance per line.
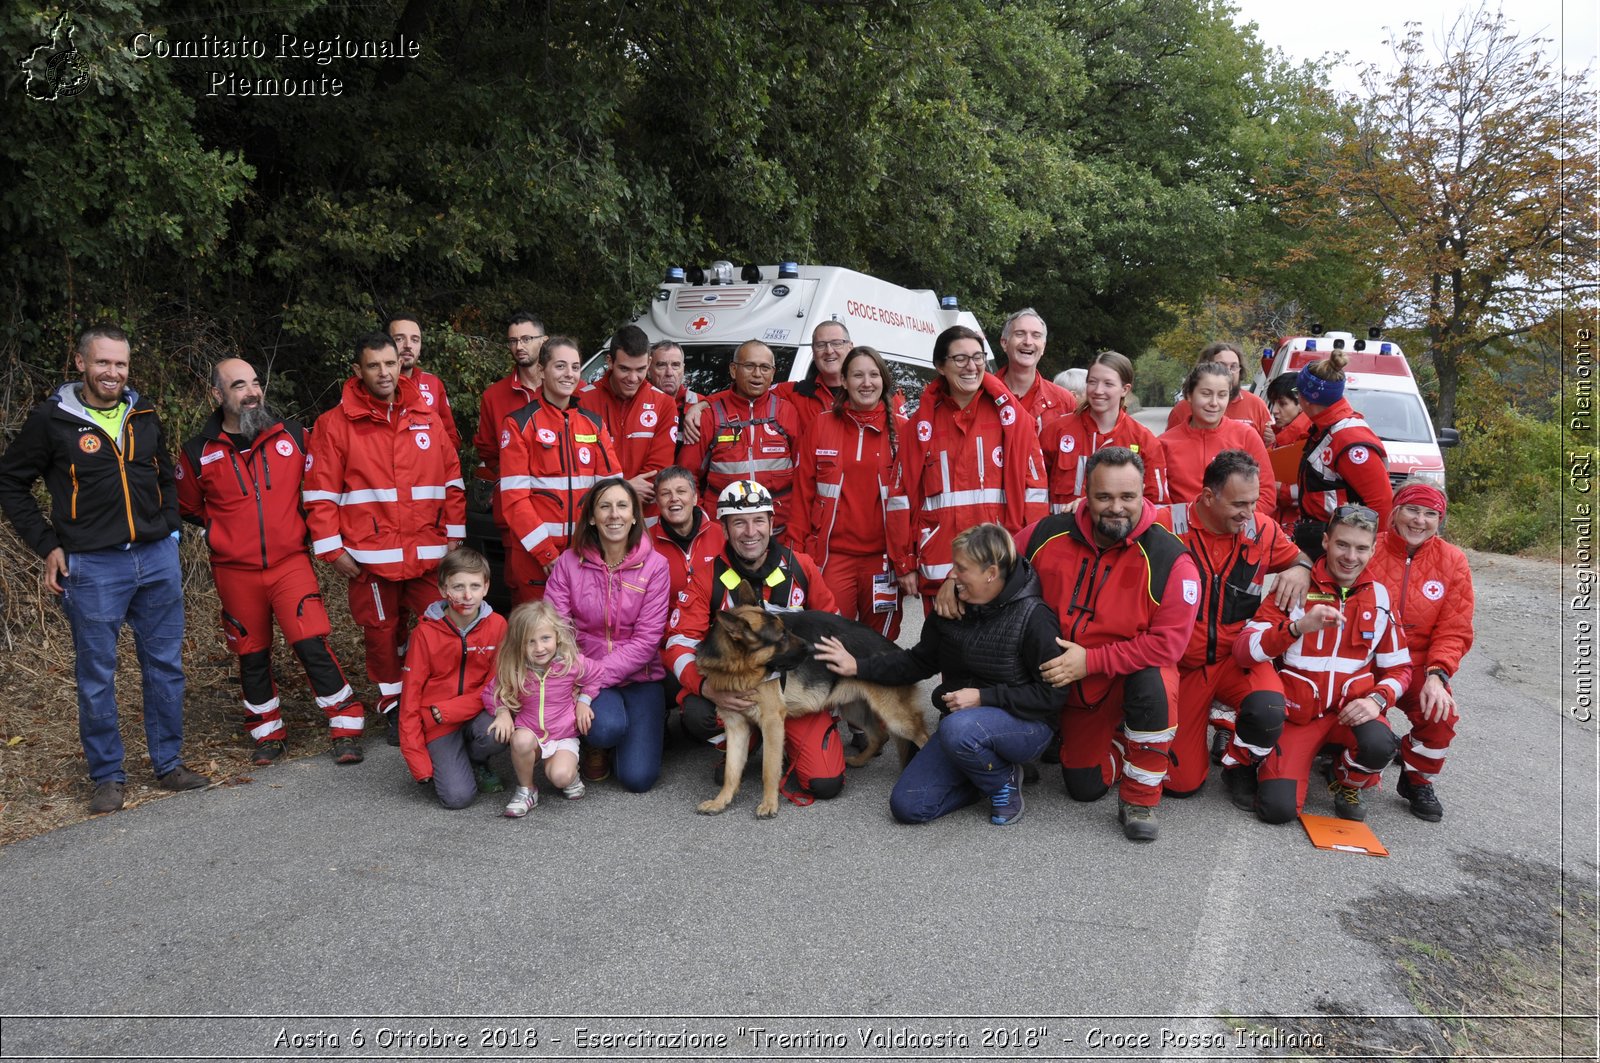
(970, 756)
(140, 586)
(631, 719)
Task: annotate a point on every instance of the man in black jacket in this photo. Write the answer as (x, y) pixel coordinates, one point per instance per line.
(110, 549)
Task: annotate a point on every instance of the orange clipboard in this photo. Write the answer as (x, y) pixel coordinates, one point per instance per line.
(1286, 463)
(1342, 835)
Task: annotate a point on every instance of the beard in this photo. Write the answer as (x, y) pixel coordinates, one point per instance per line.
(1114, 529)
(253, 420)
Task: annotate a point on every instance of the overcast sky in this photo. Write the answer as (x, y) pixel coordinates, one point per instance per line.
(1309, 30)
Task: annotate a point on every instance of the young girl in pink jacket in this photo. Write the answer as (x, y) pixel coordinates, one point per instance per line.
(540, 697)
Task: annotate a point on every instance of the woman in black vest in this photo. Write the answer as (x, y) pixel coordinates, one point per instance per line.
(997, 712)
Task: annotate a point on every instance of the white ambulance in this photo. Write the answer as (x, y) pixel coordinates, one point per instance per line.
(1381, 387)
(709, 312)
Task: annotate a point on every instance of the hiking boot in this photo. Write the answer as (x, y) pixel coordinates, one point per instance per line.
(269, 752)
(1424, 802)
(595, 765)
(346, 751)
(107, 797)
(1007, 801)
(1138, 822)
(1220, 740)
(573, 792)
(1240, 783)
(525, 800)
(391, 723)
(1347, 801)
(181, 778)
(488, 782)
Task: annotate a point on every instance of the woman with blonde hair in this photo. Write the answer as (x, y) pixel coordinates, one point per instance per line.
(998, 712)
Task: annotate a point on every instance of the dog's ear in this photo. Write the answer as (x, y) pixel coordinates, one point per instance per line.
(737, 627)
(744, 594)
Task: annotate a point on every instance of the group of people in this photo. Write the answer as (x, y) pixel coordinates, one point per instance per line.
(1094, 594)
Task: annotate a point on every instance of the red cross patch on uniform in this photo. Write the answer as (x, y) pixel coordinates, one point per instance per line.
(423, 442)
(285, 447)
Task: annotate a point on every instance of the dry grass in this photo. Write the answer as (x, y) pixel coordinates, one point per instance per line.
(44, 780)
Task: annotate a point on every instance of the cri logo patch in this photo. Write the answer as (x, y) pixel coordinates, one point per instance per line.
(1008, 415)
(89, 443)
(285, 447)
(423, 442)
(1433, 590)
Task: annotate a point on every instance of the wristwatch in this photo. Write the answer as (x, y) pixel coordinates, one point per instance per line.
(1442, 676)
(1381, 698)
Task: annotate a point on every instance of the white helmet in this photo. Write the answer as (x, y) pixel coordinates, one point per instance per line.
(742, 497)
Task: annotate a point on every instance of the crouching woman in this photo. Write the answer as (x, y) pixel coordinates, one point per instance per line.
(997, 713)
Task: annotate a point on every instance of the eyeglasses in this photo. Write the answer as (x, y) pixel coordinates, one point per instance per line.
(523, 341)
(965, 361)
(755, 368)
(1354, 515)
(830, 345)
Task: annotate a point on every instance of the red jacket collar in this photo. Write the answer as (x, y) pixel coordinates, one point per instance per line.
(358, 402)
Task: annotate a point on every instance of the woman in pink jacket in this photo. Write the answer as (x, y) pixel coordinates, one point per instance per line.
(615, 588)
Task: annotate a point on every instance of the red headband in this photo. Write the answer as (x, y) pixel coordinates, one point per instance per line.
(1421, 495)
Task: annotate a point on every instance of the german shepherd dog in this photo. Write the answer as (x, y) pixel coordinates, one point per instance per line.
(749, 648)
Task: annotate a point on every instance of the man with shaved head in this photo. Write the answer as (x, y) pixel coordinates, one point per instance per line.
(748, 432)
(240, 480)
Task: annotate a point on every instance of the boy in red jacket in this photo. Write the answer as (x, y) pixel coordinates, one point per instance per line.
(444, 732)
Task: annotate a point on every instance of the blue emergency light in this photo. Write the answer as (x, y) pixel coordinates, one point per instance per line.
(1311, 345)
(949, 302)
(1385, 348)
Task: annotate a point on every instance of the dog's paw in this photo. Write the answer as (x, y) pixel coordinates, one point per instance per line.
(712, 807)
(860, 760)
(766, 809)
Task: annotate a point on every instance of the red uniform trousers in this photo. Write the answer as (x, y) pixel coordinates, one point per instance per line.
(523, 574)
(1126, 735)
(850, 578)
(1259, 695)
(1367, 749)
(384, 609)
(1422, 751)
(251, 598)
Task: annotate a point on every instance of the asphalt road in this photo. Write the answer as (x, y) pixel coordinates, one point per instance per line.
(346, 898)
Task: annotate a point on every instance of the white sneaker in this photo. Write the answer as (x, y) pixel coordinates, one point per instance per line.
(523, 801)
(574, 791)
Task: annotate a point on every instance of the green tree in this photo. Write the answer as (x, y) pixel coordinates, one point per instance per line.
(1468, 176)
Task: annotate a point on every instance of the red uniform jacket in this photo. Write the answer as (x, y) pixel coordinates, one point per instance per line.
(1131, 606)
(1325, 670)
(969, 466)
(744, 440)
(1343, 462)
(1069, 441)
(1431, 593)
(849, 493)
(1047, 402)
(1188, 450)
(548, 459)
(383, 485)
(792, 582)
(433, 393)
(1232, 568)
(643, 429)
(448, 668)
(248, 501)
(706, 542)
(502, 399)
(1248, 407)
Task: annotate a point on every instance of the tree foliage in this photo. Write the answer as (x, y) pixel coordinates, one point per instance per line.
(1099, 161)
(1469, 177)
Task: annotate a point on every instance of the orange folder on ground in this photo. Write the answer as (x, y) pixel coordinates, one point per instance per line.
(1342, 835)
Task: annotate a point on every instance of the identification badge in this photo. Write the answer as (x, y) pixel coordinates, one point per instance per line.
(885, 593)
